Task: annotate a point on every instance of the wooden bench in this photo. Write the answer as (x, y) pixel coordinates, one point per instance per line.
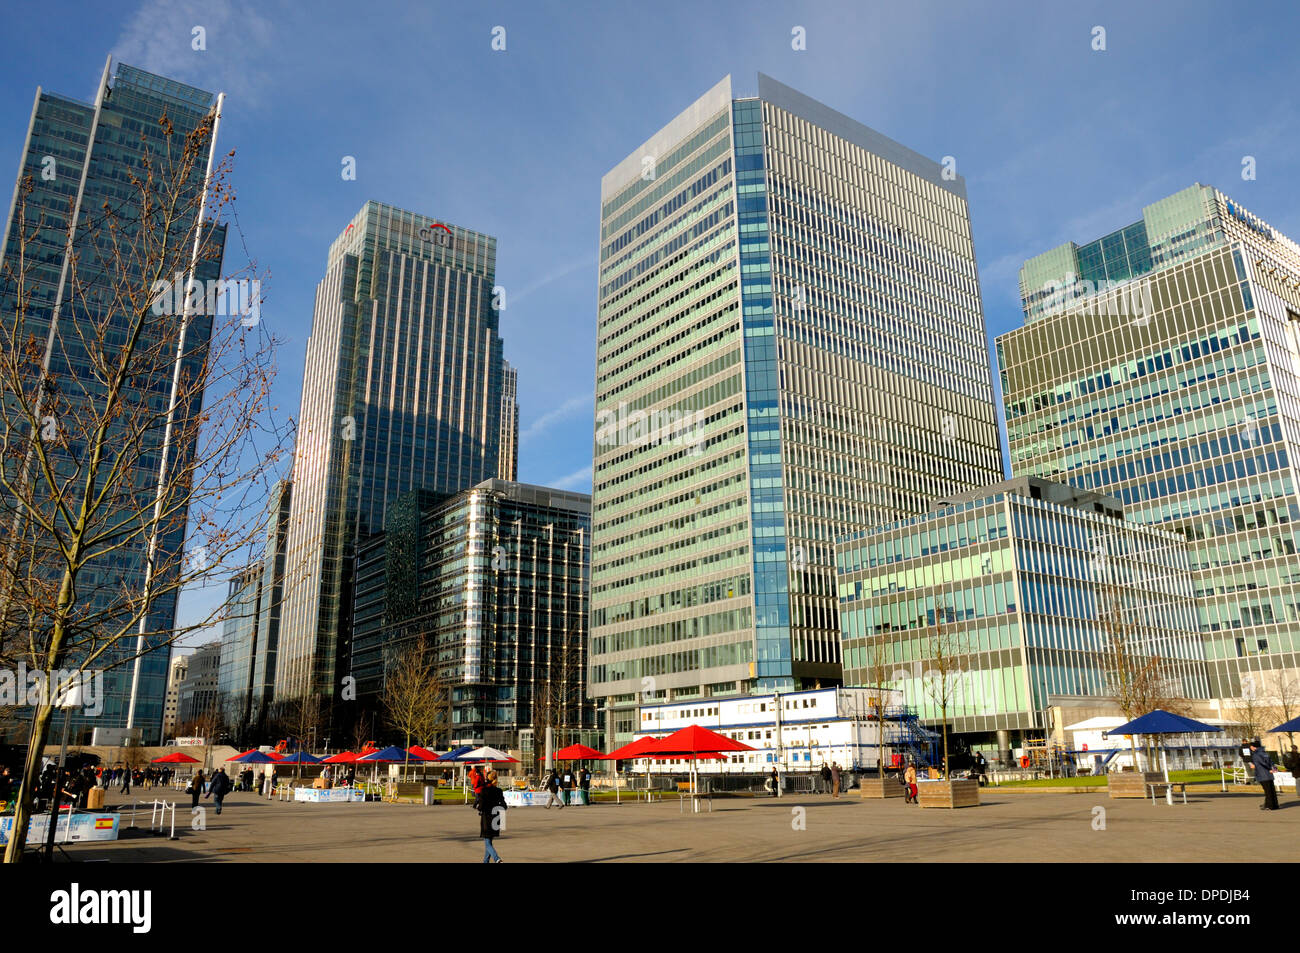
(1169, 787)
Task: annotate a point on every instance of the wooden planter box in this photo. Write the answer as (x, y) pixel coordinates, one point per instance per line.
(948, 793)
(1131, 783)
(882, 787)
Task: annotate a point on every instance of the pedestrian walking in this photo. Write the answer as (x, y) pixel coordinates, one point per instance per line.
(1264, 774)
(491, 806)
(584, 779)
(825, 779)
(219, 787)
(195, 788)
(126, 780)
(553, 785)
(835, 779)
(909, 779)
(775, 781)
(1292, 763)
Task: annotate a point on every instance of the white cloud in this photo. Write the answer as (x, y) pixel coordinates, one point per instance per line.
(578, 479)
(239, 43)
(552, 417)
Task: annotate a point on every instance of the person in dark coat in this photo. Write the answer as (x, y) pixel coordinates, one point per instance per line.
(219, 787)
(1264, 774)
(490, 803)
(552, 784)
(775, 781)
(126, 780)
(826, 779)
(1292, 763)
(196, 788)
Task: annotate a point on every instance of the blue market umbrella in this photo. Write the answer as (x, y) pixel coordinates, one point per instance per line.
(254, 757)
(1287, 726)
(455, 754)
(300, 757)
(1161, 722)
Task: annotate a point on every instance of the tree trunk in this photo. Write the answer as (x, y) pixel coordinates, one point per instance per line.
(27, 786)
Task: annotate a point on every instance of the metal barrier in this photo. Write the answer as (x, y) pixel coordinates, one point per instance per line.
(158, 817)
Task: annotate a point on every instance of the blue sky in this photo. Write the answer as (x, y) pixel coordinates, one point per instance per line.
(1056, 141)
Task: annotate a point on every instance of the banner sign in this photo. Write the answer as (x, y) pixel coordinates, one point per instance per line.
(85, 827)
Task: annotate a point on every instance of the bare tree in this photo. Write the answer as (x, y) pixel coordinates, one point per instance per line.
(416, 699)
(878, 673)
(1138, 680)
(944, 647)
(1252, 707)
(1285, 701)
(128, 425)
(558, 698)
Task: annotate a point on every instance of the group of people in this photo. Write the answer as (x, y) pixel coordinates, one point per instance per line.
(830, 779)
(565, 781)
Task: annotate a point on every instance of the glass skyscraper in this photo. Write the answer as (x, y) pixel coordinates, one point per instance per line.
(1023, 578)
(497, 579)
(1159, 365)
(509, 467)
(790, 346)
(402, 391)
(78, 159)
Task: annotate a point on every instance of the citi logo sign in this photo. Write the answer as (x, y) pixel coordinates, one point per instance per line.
(436, 234)
(76, 906)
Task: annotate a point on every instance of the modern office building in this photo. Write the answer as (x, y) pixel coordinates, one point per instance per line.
(1025, 585)
(790, 346)
(270, 601)
(176, 673)
(1158, 365)
(496, 580)
(508, 469)
(402, 392)
(199, 697)
(239, 647)
(79, 159)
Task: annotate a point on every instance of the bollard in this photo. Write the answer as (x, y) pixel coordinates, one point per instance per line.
(173, 837)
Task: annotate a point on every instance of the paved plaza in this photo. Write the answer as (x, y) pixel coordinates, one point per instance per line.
(1020, 826)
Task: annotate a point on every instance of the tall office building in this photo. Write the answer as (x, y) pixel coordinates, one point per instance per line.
(1158, 364)
(508, 468)
(402, 391)
(496, 579)
(790, 346)
(176, 673)
(199, 698)
(239, 648)
(77, 160)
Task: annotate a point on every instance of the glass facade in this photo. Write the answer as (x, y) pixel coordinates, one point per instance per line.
(1022, 577)
(806, 289)
(402, 391)
(78, 158)
(1176, 392)
(497, 579)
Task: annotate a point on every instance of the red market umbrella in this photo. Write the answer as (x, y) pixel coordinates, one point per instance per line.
(691, 743)
(694, 739)
(176, 757)
(424, 754)
(578, 753)
(343, 757)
